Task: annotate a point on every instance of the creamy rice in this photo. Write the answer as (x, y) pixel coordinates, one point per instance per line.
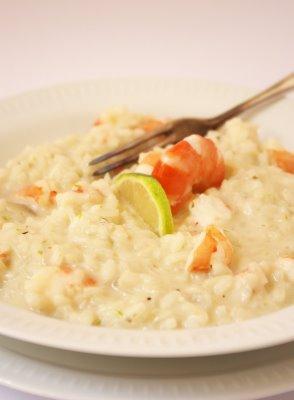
(84, 256)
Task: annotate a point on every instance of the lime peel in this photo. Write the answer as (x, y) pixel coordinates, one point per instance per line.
(148, 198)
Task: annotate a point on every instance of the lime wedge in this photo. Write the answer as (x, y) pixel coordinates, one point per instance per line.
(148, 198)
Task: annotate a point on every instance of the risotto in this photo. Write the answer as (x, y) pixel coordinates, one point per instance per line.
(70, 249)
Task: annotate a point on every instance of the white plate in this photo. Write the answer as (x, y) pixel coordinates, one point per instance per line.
(246, 376)
(44, 115)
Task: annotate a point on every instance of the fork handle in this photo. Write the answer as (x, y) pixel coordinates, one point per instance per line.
(277, 89)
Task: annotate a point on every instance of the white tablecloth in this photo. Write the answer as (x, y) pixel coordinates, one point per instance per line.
(44, 42)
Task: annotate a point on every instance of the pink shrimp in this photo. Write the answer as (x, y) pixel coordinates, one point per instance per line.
(283, 159)
(5, 257)
(150, 124)
(97, 122)
(201, 257)
(191, 165)
(89, 281)
(31, 191)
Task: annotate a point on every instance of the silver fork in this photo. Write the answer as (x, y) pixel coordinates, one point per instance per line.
(178, 129)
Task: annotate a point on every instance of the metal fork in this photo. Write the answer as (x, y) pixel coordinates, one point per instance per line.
(178, 129)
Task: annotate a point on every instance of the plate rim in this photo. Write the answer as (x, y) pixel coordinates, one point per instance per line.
(22, 372)
(160, 343)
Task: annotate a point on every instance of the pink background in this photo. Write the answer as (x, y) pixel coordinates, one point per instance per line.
(241, 42)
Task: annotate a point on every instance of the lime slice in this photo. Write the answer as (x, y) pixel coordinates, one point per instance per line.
(148, 198)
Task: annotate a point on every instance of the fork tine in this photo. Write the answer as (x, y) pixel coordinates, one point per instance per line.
(131, 145)
(127, 160)
(114, 165)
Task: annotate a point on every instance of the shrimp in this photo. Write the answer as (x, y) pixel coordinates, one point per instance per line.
(97, 122)
(150, 125)
(191, 165)
(283, 159)
(32, 191)
(78, 188)
(52, 196)
(66, 269)
(213, 166)
(89, 281)
(212, 239)
(151, 158)
(5, 258)
(29, 197)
